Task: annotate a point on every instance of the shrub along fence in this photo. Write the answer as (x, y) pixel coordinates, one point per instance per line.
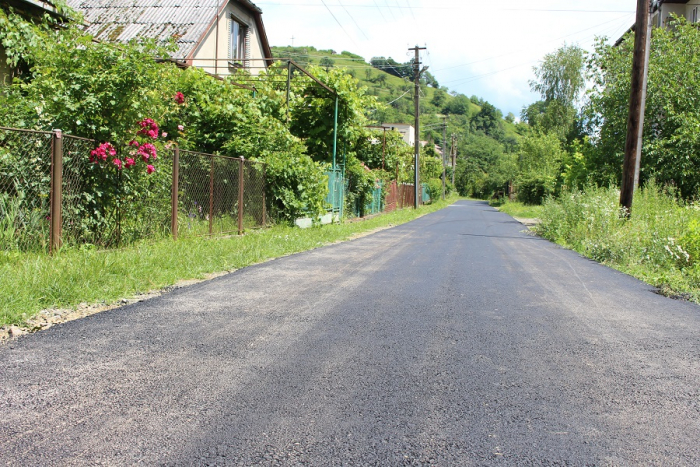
(52, 195)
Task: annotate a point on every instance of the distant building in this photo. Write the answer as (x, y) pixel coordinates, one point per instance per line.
(219, 38)
(408, 133)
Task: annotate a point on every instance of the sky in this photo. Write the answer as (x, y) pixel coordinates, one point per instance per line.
(482, 48)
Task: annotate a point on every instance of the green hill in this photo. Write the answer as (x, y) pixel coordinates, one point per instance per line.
(465, 115)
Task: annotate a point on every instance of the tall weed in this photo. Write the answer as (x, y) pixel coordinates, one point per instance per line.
(659, 242)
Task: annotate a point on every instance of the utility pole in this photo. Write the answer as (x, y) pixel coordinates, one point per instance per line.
(416, 76)
(454, 158)
(444, 153)
(635, 122)
(384, 148)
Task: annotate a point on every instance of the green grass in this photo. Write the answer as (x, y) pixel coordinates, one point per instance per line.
(516, 209)
(659, 243)
(30, 282)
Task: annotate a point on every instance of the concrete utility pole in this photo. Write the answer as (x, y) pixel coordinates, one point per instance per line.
(635, 122)
(444, 153)
(417, 71)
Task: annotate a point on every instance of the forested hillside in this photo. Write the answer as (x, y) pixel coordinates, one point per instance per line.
(487, 141)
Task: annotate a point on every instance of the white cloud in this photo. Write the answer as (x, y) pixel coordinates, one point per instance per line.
(486, 49)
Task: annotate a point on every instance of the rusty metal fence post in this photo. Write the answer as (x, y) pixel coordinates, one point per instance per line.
(264, 204)
(241, 168)
(56, 191)
(211, 197)
(175, 189)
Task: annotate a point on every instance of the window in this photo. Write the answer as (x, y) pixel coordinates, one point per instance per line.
(237, 41)
(694, 16)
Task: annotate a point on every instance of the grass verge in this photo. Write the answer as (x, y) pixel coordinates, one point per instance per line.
(31, 282)
(659, 243)
(516, 209)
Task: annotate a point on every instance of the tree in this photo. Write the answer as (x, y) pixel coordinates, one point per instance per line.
(327, 63)
(671, 146)
(458, 105)
(439, 98)
(430, 80)
(489, 121)
(560, 81)
(480, 155)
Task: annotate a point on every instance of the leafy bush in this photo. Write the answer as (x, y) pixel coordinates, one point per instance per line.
(659, 243)
(536, 188)
(435, 189)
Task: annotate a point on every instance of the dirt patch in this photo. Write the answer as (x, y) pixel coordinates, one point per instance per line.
(527, 222)
(52, 316)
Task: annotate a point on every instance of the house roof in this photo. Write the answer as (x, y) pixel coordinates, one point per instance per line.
(187, 21)
(34, 7)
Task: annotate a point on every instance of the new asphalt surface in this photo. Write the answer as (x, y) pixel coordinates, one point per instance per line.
(456, 339)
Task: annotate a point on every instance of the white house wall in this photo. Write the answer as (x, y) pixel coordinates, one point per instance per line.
(207, 51)
(668, 9)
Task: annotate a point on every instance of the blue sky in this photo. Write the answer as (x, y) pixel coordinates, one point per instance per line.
(483, 48)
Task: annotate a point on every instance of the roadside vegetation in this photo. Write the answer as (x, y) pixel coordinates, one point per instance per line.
(659, 244)
(518, 209)
(31, 282)
(578, 143)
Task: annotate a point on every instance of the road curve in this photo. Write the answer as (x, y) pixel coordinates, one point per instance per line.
(456, 339)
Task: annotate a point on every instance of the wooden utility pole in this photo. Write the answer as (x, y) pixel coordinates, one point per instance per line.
(635, 121)
(416, 76)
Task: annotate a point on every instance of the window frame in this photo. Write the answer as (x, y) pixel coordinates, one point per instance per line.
(237, 41)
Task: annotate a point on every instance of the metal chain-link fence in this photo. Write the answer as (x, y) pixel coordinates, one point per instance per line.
(106, 207)
(25, 183)
(219, 194)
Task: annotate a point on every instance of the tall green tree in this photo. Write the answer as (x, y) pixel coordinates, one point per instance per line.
(560, 79)
(671, 146)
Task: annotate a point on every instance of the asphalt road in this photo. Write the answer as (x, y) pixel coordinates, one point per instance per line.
(456, 339)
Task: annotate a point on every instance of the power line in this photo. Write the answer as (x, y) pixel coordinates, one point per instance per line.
(540, 43)
(380, 11)
(336, 20)
(386, 5)
(353, 20)
(463, 81)
(411, 9)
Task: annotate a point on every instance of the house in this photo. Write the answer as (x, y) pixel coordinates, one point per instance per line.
(662, 12)
(408, 133)
(31, 10)
(220, 37)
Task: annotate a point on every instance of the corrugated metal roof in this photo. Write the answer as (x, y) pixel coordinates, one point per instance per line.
(123, 20)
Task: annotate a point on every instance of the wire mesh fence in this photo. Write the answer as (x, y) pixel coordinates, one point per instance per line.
(218, 194)
(25, 183)
(190, 193)
(52, 194)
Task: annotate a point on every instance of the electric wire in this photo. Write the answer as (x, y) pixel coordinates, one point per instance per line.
(379, 10)
(353, 20)
(336, 20)
(386, 5)
(535, 45)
